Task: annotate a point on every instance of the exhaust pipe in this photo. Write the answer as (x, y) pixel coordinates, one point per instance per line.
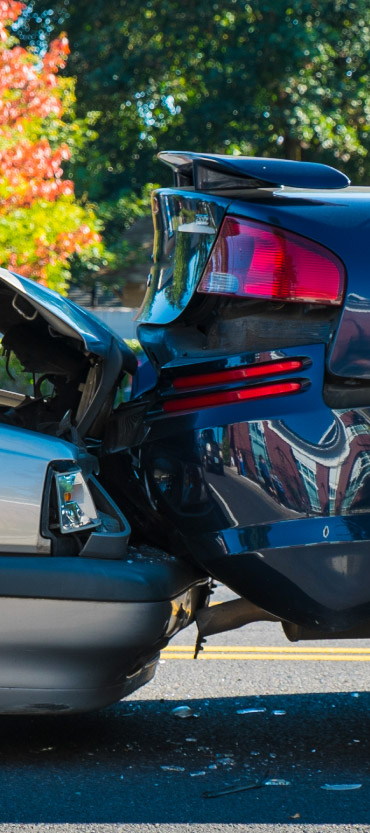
(228, 616)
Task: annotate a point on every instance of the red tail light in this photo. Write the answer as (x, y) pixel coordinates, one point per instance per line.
(208, 400)
(252, 259)
(238, 374)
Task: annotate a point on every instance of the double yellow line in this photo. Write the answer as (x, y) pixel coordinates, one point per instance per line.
(289, 653)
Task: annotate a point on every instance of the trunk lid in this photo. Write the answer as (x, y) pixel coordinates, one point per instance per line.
(187, 222)
(75, 361)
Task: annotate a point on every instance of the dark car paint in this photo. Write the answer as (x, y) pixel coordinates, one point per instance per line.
(338, 220)
(293, 536)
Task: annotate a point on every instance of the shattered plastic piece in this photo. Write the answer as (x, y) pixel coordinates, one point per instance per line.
(278, 711)
(195, 774)
(183, 711)
(355, 694)
(341, 786)
(276, 782)
(249, 711)
(212, 766)
(173, 768)
(296, 816)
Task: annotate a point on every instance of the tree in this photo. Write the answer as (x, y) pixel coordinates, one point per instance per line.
(41, 224)
(267, 77)
(262, 77)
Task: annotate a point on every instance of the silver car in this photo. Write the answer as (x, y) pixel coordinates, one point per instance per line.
(83, 615)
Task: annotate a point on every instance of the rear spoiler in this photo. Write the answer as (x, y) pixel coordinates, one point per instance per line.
(213, 172)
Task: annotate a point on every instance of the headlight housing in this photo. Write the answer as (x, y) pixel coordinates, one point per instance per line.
(76, 507)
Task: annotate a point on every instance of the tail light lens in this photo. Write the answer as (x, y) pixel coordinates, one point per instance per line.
(239, 374)
(252, 259)
(209, 400)
(76, 507)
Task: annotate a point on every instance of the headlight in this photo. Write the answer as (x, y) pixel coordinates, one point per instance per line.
(75, 505)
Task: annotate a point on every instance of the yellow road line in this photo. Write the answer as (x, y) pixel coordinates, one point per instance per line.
(271, 649)
(281, 657)
(284, 654)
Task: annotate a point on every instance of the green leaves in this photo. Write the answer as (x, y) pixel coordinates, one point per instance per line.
(260, 78)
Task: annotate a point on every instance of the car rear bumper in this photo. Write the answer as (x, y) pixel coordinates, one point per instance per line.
(78, 634)
(287, 525)
(291, 520)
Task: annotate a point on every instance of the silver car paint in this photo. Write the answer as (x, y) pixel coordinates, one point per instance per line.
(63, 655)
(24, 460)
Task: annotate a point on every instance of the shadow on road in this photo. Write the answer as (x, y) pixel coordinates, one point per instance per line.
(108, 767)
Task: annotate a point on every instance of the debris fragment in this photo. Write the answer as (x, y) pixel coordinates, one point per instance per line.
(296, 816)
(254, 785)
(341, 786)
(183, 711)
(278, 711)
(173, 768)
(195, 774)
(276, 782)
(355, 694)
(250, 711)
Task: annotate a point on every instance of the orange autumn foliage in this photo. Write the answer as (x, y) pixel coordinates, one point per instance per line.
(31, 157)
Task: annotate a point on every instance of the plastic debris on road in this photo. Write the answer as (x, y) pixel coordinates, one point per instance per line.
(173, 768)
(278, 711)
(254, 785)
(276, 782)
(184, 711)
(250, 711)
(195, 774)
(338, 787)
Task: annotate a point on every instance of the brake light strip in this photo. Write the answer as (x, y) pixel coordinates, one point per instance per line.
(208, 400)
(237, 374)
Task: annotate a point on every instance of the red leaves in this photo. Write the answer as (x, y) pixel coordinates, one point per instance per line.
(41, 224)
(29, 93)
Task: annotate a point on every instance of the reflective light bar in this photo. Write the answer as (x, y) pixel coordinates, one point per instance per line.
(208, 400)
(253, 259)
(237, 374)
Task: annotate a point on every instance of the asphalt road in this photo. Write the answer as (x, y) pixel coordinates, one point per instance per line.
(138, 767)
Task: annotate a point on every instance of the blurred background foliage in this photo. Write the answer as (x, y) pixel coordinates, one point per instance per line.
(274, 78)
